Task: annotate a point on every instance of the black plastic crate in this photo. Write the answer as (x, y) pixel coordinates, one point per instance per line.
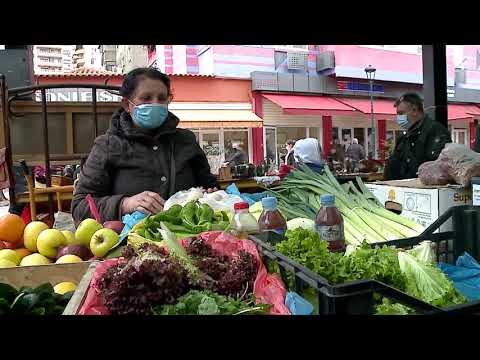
(358, 297)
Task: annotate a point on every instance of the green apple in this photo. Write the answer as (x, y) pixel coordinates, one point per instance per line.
(34, 259)
(49, 241)
(31, 232)
(102, 241)
(70, 237)
(4, 263)
(10, 255)
(68, 259)
(85, 231)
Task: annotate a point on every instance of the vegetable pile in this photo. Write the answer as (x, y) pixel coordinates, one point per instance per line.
(195, 280)
(365, 219)
(189, 220)
(41, 300)
(412, 271)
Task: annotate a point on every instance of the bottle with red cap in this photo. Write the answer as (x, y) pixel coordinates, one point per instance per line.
(243, 223)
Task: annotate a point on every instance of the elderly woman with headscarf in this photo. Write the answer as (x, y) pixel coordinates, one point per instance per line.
(309, 152)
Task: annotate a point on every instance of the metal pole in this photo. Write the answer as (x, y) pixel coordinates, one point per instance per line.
(372, 134)
(48, 176)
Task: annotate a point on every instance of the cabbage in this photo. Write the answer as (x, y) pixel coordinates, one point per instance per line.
(424, 252)
(301, 223)
(427, 282)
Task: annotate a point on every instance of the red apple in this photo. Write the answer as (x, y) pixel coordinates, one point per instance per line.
(79, 250)
(116, 226)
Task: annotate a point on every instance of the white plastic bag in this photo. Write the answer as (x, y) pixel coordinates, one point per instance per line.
(220, 200)
(64, 221)
(183, 197)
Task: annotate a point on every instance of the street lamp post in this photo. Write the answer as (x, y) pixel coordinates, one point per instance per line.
(370, 71)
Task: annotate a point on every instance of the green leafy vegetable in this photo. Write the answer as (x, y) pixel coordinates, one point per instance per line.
(427, 282)
(209, 303)
(389, 308)
(380, 264)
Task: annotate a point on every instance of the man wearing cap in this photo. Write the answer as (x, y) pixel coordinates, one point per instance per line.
(423, 139)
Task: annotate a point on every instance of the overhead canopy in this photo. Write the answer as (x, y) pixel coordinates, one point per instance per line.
(463, 111)
(309, 105)
(217, 118)
(380, 106)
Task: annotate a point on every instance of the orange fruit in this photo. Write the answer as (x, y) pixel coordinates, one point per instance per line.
(11, 228)
(22, 252)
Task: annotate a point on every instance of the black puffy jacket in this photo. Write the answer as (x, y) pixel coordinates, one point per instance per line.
(128, 160)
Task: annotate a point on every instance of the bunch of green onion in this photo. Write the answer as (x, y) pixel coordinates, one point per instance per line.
(365, 218)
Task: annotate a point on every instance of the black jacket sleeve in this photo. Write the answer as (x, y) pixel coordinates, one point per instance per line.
(201, 168)
(95, 179)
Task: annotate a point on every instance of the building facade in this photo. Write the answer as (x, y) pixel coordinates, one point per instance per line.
(130, 57)
(322, 90)
(48, 59)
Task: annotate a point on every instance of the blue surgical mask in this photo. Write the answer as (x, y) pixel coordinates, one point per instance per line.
(402, 121)
(150, 116)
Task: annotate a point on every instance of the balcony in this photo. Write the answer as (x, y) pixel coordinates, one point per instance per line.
(49, 64)
(49, 54)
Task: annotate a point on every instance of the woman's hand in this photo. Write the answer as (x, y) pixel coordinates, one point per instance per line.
(147, 202)
(210, 190)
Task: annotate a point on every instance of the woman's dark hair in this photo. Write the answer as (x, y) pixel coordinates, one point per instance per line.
(131, 80)
(411, 98)
(290, 142)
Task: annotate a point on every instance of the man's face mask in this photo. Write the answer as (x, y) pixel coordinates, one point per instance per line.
(149, 116)
(402, 121)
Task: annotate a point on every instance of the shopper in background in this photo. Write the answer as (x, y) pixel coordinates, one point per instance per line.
(309, 152)
(237, 156)
(355, 153)
(423, 139)
(290, 157)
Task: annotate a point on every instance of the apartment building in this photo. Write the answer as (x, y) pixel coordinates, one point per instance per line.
(48, 59)
(130, 57)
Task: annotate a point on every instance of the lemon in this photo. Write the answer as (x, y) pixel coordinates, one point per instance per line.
(64, 287)
(68, 259)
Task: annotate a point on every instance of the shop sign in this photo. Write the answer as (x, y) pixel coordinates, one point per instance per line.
(358, 86)
(77, 95)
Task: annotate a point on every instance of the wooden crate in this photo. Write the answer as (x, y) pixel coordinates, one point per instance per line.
(31, 276)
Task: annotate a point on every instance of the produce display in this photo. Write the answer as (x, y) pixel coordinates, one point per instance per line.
(41, 300)
(37, 244)
(365, 219)
(456, 164)
(195, 280)
(189, 220)
(413, 271)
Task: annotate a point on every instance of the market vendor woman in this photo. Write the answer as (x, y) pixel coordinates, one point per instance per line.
(143, 158)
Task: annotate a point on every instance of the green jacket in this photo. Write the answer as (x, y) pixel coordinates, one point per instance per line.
(422, 142)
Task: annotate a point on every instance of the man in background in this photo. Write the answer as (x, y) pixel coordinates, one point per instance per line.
(423, 139)
(355, 153)
(237, 156)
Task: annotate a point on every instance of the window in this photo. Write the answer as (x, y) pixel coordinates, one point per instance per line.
(236, 136)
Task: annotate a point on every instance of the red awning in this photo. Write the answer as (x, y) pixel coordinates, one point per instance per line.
(382, 107)
(463, 111)
(309, 105)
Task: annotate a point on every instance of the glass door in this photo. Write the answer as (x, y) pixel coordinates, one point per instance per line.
(212, 145)
(270, 145)
(460, 136)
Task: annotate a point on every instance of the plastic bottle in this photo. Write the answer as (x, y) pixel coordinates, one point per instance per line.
(271, 220)
(243, 223)
(329, 224)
